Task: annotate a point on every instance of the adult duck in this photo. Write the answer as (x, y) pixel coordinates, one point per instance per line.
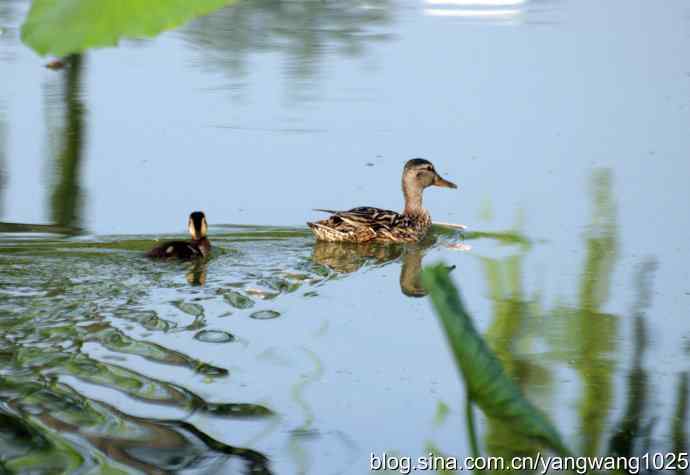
(366, 223)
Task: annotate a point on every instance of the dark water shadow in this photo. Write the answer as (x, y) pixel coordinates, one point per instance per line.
(679, 425)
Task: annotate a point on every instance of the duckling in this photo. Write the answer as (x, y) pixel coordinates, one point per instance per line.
(366, 224)
(199, 246)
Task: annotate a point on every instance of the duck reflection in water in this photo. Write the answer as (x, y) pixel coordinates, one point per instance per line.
(346, 258)
(196, 276)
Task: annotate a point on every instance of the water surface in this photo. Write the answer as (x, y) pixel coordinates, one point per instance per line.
(564, 123)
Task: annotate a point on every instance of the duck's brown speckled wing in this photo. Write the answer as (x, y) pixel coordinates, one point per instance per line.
(365, 224)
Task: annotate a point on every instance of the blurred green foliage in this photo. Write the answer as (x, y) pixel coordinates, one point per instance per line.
(62, 27)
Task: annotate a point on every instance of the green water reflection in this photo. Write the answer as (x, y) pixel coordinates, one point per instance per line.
(580, 336)
(511, 314)
(630, 430)
(66, 198)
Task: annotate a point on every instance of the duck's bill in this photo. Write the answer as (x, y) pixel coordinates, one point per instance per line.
(438, 181)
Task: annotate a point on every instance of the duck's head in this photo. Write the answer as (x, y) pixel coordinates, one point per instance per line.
(419, 174)
(197, 225)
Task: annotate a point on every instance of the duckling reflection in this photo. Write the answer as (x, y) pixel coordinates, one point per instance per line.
(346, 258)
(196, 276)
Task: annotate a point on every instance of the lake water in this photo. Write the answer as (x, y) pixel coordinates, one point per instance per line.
(564, 123)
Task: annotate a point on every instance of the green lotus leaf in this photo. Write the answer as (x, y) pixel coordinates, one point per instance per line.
(487, 383)
(62, 27)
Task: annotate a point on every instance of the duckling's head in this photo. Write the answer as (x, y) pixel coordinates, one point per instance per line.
(419, 174)
(197, 225)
